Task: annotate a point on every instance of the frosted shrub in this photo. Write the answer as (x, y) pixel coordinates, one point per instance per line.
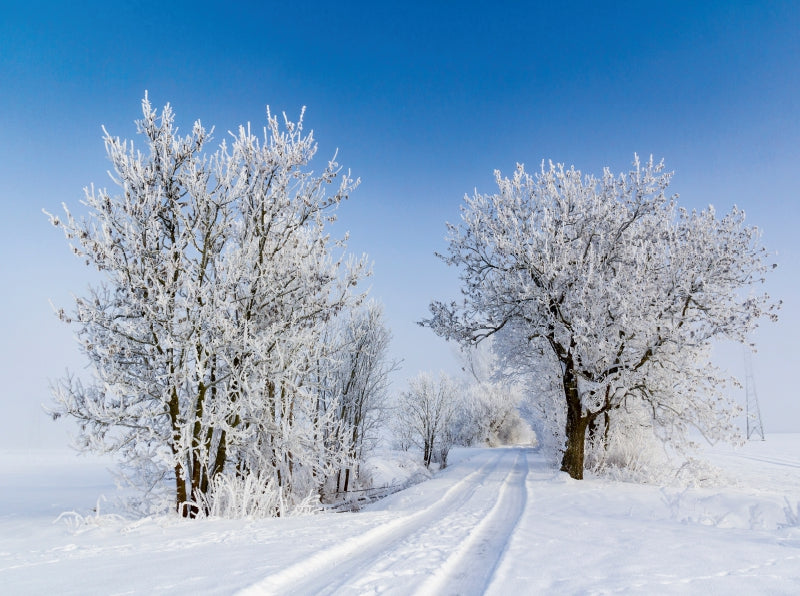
(495, 413)
(511, 430)
(543, 410)
(77, 523)
(697, 473)
(490, 410)
(253, 496)
(624, 447)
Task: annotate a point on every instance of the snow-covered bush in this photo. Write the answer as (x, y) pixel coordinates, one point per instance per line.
(491, 402)
(427, 411)
(353, 384)
(77, 523)
(623, 446)
(489, 415)
(254, 495)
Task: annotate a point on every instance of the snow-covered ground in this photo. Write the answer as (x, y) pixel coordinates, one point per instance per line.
(498, 521)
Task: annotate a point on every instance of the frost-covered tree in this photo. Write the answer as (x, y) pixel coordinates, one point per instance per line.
(491, 403)
(613, 289)
(219, 279)
(355, 379)
(493, 412)
(427, 410)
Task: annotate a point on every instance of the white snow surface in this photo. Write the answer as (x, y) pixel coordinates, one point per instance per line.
(496, 521)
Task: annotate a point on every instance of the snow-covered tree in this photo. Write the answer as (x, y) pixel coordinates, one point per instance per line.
(203, 339)
(355, 379)
(490, 410)
(427, 410)
(493, 409)
(613, 289)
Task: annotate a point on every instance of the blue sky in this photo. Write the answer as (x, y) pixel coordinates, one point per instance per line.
(423, 102)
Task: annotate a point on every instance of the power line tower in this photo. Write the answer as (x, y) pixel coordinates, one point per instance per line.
(752, 409)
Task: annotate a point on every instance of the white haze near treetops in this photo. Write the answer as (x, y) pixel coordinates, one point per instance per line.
(423, 102)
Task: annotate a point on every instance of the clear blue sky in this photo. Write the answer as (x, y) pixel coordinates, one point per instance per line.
(423, 100)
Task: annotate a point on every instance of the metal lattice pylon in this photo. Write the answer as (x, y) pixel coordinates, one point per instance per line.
(752, 409)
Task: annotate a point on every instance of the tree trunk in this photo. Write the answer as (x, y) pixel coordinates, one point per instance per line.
(180, 492)
(181, 496)
(427, 453)
(575, 430)
(572, 462)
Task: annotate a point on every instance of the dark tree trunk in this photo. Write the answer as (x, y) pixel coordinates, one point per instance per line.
(427, 453)
(181, 495)
(572, 462)
(180, 492)
(575, 430)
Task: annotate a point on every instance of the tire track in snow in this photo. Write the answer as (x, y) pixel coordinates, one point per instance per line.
(470, 569)
(789, 463)
(404, 568)
(330, 569)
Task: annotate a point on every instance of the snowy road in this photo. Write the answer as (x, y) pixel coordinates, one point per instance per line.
(449, 545)
(497, 521)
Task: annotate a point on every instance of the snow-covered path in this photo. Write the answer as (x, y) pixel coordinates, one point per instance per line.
(448, 544)
(497, 521)
(504, 522)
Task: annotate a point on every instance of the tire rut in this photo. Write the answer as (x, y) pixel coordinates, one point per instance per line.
(470, 569)
(330, 570)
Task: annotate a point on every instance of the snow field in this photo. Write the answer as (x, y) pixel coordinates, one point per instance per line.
(604, 540)
(497, 521)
